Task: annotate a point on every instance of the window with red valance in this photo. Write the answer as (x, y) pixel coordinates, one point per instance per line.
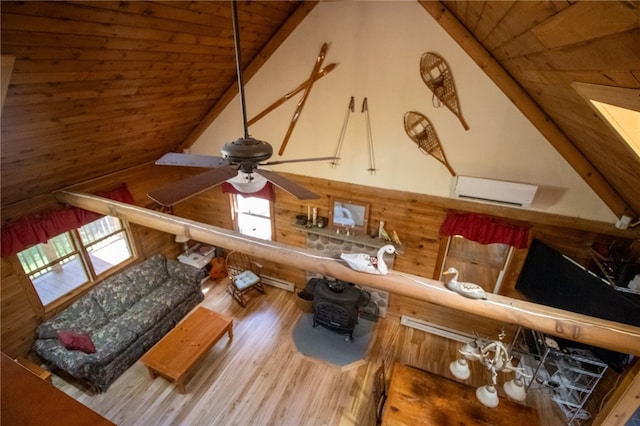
(485, 229)
(33, 230)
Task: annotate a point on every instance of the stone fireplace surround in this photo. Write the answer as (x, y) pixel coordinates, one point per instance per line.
(329, 243)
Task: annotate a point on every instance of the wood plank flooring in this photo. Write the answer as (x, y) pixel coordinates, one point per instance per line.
(260, 379)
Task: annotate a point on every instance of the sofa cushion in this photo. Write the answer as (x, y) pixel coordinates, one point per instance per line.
(115, 295)
(77, 341)
(143, 315)
(172, 292)
(110, 340)
(183, 272)
(83, 315)
(148, 275)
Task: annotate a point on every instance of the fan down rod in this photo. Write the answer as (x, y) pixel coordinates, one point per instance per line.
(236, 43)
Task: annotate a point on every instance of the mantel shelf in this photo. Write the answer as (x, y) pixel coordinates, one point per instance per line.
(361, 238)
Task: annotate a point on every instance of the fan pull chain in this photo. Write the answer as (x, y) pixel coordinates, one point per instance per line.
(350, 109)
(372, 159)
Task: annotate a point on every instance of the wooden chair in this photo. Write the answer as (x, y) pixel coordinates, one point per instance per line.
(244, 276)
(379, 392)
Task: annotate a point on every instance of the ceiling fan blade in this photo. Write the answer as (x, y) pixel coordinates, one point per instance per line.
(299, 160)
(191, 160)
(285, 184)
(181, 190)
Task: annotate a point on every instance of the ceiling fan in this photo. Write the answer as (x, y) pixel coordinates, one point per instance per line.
(239, 162)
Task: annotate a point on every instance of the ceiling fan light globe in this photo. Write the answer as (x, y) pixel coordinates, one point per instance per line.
(248, 183)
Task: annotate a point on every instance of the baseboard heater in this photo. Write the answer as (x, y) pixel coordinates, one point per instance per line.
(277, 282)
(436, 329)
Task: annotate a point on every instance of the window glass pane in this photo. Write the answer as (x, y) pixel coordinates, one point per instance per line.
(254, 226)
(109, 252)
(99, 229)
(253, 216)
(59, 279)
(36, 257)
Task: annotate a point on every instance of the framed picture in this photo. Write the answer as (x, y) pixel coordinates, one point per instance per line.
(348, 213)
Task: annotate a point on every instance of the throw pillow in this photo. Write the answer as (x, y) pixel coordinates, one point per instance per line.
(77, 341)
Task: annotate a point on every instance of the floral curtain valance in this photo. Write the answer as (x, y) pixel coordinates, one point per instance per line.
(33, 230)
(484, 229)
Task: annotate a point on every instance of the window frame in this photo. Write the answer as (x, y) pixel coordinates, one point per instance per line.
(235, 213)
(83, 254)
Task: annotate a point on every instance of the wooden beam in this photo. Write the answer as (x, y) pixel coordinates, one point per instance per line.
(568, 325)
(272, 45)
(528, 107)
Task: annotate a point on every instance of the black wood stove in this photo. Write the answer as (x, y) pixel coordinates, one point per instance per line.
(336, 305)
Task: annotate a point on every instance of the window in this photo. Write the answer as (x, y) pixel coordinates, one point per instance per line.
(618, 107)
(252, 216)
(482, 264)
(76, 258)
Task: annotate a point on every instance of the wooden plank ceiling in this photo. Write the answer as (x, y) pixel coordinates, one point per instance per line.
(98, 87)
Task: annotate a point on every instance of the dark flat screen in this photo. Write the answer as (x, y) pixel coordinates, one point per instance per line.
(551, 279)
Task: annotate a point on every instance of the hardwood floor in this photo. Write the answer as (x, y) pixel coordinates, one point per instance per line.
(260, 379)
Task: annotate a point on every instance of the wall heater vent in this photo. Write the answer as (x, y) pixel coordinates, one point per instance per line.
(495, 191)
(436, 329)
(277, 282)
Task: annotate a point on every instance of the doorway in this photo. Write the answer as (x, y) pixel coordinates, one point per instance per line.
(482, 264)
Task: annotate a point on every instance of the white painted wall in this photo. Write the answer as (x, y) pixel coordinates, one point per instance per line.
(378, 46)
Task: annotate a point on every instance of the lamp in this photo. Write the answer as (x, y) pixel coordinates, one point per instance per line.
(182, 239)
(495, 356)
(248, 183)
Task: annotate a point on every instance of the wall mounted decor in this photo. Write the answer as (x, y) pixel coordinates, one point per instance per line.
(312, 78)
(437, 76)
(350, 109)
(324, 71)
(372, 160)
(348, 213)
(420, 130)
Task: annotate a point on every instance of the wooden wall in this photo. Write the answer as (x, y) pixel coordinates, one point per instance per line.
(416, 218)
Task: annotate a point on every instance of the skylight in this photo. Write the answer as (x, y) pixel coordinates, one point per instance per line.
(624, 121)
(618, 107)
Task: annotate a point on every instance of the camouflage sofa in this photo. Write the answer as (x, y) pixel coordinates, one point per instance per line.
(121, 318)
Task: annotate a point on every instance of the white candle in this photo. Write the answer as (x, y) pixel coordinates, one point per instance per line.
(315, 215)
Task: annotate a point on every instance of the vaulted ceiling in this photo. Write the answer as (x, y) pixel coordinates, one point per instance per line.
(98, 87)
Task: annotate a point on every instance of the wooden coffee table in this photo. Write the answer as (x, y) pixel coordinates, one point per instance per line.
(174, 356)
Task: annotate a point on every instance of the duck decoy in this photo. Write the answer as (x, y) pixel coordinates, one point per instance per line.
(470, 290)
(363, 262)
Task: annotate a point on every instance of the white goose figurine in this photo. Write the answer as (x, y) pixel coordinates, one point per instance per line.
(363, 262)
(470, 290)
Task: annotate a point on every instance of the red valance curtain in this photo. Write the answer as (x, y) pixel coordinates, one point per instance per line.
(265, 193)
(33, 230)
(484, 229)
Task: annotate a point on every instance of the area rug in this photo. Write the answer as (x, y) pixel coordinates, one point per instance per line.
(331, 346)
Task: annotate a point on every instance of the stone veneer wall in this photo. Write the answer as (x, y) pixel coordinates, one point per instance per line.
(327, 244)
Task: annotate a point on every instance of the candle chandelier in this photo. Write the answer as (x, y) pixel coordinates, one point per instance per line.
(496, 357)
